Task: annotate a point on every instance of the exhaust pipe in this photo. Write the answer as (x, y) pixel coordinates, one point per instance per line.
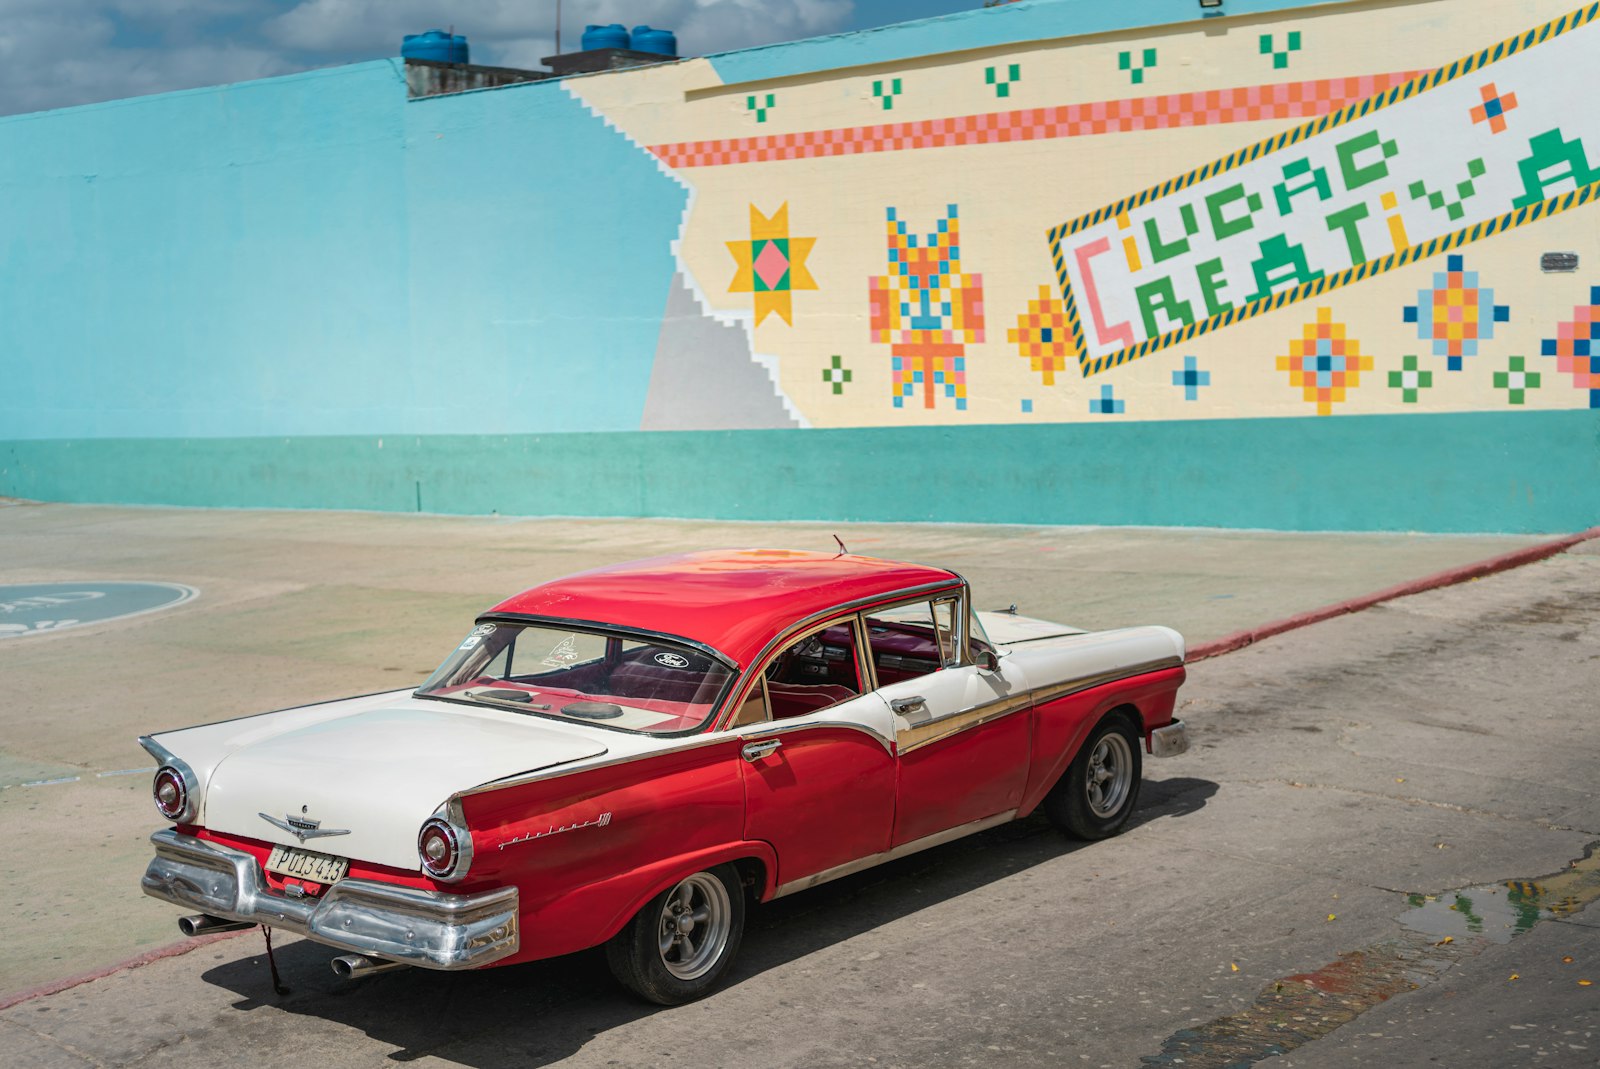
(205, 924)
(355, 966)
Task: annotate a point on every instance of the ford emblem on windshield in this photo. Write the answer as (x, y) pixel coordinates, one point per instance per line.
(303, 828)
(672, 660)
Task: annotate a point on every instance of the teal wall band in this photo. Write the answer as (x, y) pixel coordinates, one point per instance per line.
(1464, 472)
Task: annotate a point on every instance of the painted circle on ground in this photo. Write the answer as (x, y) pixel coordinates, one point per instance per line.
(38, 608)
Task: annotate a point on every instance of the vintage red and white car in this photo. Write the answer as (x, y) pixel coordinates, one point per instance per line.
(629, 756)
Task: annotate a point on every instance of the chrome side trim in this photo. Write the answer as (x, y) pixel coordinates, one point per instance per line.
(769, 728)
(690, 742)
(1100, 679)
(1169, 741)
(926, 732)
(426, 928)
(938, 838)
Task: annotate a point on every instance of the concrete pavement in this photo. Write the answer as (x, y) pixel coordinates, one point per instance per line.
(1253, 914)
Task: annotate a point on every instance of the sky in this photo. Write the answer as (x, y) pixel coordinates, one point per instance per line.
(56, 53)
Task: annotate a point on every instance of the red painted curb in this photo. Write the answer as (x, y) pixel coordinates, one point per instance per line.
(1238, 640)
(171, 950)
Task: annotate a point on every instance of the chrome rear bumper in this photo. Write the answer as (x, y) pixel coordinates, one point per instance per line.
(425, 928)
(1169, 741)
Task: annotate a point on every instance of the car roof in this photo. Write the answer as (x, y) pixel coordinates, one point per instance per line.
(734, 601)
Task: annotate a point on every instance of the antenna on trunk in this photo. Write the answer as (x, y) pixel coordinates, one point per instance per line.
(842, 551)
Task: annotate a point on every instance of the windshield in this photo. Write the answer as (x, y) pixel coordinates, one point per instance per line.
(613, 679)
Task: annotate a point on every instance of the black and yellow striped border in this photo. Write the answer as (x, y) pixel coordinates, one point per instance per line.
(1421, 84)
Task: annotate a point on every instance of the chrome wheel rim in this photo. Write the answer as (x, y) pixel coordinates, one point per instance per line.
(693, 927)
(1110, 774)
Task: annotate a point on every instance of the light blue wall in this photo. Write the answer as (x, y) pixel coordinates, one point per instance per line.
(316, 255)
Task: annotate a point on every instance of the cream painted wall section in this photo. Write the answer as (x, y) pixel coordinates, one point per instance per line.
(824, 220)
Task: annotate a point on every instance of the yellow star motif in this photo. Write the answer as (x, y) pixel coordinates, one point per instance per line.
(771, 265)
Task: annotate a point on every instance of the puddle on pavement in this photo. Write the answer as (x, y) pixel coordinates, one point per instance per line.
(1437, 932)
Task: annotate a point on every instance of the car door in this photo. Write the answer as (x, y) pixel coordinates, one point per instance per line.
(817, 756)
(961, 731)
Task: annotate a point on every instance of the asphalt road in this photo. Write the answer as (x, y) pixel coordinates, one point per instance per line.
(1284, 898)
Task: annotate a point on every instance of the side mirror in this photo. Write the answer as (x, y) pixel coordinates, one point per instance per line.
(987, 661)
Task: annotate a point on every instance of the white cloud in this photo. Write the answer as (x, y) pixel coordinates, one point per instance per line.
(504, 28)
(56, 53)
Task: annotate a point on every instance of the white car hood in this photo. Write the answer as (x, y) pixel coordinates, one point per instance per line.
(377, 770)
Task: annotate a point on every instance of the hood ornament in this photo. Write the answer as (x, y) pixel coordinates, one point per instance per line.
(303, 828)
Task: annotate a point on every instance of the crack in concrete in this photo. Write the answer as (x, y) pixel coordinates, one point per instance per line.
(87, 1059)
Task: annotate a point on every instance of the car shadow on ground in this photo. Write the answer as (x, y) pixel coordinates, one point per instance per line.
(539, 1013)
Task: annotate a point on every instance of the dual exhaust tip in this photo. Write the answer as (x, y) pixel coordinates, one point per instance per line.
(345, 966)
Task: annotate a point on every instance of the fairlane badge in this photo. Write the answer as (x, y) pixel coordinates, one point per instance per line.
(598, 822)
(303, 828)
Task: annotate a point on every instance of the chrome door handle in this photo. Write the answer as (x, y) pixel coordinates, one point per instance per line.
(905, 705)
(755, 751)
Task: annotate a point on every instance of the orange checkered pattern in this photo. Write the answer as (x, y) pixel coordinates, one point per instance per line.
(1255, 103)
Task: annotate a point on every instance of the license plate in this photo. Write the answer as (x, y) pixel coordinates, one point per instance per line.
(305, 865)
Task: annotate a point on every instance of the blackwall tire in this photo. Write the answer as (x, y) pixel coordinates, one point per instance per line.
(677, 947)
(1097, 795)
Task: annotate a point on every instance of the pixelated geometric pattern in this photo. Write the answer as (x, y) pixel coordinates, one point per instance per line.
(771, 264)
(760, 105)
(1516, 380)
(1494, 108)
(1410, 380)
(1286, 100)
(992, 76)
(1456, 313)
(1136, 65)
(837, 375)
(1323, 364)
(1043, 336)
(1280, 57)
(1576, 347)
(1106, 404)
(1464, 191)
(927, 311)
(885, 91)
(1027, 405)
(1191, 378)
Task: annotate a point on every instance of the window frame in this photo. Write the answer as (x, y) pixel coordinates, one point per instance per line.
(863, 665)
(959, 629)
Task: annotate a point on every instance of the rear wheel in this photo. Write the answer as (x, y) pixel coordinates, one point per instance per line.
(677, 947)
(1097, 795)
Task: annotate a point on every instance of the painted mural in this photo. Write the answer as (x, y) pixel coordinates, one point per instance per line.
(1320, 213)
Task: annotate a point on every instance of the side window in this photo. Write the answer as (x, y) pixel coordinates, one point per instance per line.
(914, 639)
(812, 673)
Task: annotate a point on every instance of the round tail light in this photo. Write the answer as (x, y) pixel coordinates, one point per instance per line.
(170, 793)
(439, 846)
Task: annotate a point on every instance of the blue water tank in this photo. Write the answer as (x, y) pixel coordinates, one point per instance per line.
(661, 42)
(612, 36)
(436, 45)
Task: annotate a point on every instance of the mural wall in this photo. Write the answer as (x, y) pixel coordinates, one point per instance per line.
(1303, 265)
(1333, 214)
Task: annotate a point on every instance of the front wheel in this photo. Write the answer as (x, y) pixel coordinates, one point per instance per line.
(676, 948)
(1097, 795)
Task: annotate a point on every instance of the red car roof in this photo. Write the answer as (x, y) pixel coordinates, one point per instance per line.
(734, 601)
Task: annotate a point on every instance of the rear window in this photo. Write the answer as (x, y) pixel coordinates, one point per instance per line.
(609, 678)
